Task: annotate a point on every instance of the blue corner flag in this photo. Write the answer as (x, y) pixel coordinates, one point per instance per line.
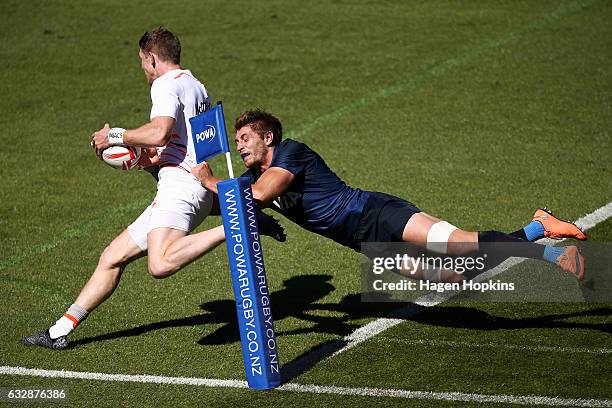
(239, 213)
(209, 135)
(253, 306)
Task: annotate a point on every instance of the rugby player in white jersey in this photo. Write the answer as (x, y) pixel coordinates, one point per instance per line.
(162, 231)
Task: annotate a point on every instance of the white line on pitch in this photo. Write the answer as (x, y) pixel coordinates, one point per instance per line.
(377, 326)
(314, 389)
(154, 379)
(449, 343)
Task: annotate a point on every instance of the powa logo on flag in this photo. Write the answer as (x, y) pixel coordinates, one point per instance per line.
(206, 135)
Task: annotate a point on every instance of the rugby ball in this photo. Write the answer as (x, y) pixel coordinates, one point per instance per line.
(121, 157)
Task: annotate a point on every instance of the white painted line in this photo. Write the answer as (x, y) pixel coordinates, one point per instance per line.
(377, 326)
(314, 389)
(449, 396)
(457, 344)
(154, 379)
(596, 217)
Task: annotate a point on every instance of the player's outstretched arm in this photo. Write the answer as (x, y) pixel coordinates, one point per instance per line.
(203, 172)
(156, 133)
(271, 185)
(268, 225)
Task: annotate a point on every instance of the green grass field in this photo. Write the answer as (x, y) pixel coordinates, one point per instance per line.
(478, 112)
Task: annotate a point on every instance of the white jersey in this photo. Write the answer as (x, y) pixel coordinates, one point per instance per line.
(180, 95)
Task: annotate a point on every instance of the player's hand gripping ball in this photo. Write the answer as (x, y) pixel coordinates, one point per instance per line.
(121, 157)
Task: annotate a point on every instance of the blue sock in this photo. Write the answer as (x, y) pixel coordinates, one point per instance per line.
(551, 253)
(534, 230)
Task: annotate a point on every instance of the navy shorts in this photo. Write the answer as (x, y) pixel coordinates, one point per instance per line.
(383, 219)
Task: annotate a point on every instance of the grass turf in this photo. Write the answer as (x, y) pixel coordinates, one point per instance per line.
(477, 112)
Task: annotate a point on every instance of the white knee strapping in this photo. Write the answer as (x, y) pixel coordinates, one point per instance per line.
(437, 238)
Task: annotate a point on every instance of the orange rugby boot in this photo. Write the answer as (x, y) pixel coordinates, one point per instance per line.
(556, 228)
(572, 261)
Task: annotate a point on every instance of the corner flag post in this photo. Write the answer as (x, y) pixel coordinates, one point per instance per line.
(249, 281)
(230, 169)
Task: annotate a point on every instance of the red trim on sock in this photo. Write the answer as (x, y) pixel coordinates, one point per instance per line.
(73, 319)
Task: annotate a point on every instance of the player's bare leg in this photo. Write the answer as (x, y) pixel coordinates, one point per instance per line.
(171, 249)
(103, 282)
(111, 265)
(416, 231)
(419, 225)
(424, 229)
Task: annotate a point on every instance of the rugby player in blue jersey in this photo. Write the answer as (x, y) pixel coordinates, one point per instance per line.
(291, 178)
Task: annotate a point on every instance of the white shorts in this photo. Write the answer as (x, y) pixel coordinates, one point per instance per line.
(181, 203)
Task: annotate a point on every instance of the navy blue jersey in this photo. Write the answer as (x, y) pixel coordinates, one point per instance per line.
(317, 199)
